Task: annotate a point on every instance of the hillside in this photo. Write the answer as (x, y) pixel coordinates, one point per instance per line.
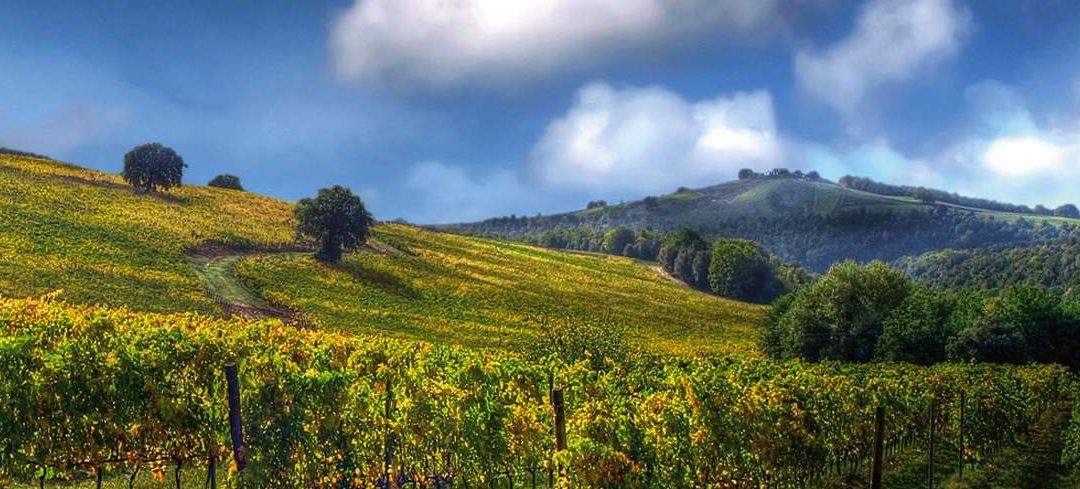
(472, 291)
(88, 234)
(810, 222)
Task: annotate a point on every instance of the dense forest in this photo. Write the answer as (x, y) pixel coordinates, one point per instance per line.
(1054, 265)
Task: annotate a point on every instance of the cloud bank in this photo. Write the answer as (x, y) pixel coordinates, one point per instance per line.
(451, 43)
(652, 140)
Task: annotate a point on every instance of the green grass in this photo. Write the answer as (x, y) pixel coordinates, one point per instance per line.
(481, 293)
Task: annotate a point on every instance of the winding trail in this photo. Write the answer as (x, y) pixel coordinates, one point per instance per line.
(216, 266)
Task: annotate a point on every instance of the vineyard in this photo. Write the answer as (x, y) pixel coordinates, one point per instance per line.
(480, 293)
(84, 232)
(90, 388)
(64, 227)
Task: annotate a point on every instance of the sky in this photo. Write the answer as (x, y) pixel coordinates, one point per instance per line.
(458, 110)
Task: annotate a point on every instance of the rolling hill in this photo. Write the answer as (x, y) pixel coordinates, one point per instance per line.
(87, 234)
(810, 222)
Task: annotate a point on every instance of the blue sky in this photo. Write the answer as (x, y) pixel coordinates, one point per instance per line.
(442, 111)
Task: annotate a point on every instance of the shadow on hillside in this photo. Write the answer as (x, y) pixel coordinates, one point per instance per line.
(378, 279)
(107, 184)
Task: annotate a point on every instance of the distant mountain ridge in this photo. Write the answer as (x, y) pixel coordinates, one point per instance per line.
(805, 220)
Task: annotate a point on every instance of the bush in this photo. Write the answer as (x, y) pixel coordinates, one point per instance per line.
(226, 181)
(149, 166)
(617, 240)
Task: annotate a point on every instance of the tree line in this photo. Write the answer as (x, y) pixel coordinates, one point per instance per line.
(874, 312)
(931, 196)
(734, 268)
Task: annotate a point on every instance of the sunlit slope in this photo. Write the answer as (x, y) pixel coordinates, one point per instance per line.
(476, 292)
(63, 227)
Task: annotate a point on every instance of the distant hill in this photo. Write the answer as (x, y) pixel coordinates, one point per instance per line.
(812, 222)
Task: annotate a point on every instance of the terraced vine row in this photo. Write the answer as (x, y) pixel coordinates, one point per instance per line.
(85, 387)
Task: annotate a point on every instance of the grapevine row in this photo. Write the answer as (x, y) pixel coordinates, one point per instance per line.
(83, 386)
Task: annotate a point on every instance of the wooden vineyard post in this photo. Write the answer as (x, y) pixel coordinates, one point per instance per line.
(963, 401)
(558, 402)
(211, 472)
(236, 428)
(879, 443)
(388, 442)
(933, 426)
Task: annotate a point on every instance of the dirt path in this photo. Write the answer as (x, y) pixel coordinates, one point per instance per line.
(216, 266)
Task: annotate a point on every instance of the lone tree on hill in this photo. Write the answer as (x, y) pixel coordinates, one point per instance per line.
(152, 165)
(226, 181)
(335, 219)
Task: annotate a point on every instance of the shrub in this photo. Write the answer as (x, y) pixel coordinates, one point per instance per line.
(617, 240)
(226, 181)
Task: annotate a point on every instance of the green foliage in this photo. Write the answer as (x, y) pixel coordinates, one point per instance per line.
(1067, 210)
(841, 316)
(1055, 265)
(1018, 325)
(1070, 455)
(919, 329)
(152, 165)
(872, 313)
(989, 339)
(335, 219)
(740, 269)
(82, 385)
(226, 181)
(617, 240)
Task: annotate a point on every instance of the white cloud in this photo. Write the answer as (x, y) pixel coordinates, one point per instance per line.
(651, 140)
(891, 42)
(1020, 156)
(491, 42)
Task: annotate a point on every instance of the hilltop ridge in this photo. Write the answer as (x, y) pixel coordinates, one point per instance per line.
(812, 222)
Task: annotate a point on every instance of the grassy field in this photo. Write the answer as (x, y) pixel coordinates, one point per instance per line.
(87, 233)
(476, 292)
